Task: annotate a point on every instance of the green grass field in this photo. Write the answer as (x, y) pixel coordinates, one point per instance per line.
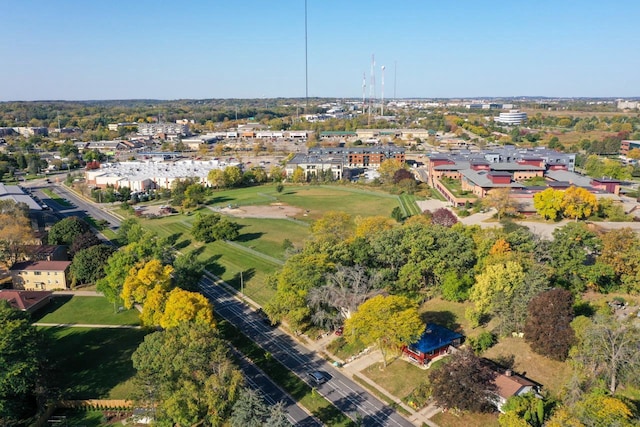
(85, 310)
(399, 378)
(261, 240)
(93, 363)
(409, 205)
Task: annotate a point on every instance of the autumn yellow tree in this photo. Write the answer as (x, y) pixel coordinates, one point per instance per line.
(578, 203)
(495, 285)
(388, 168)
(15, 230)
(184, 306)
(298, 175)
(143, 279)
(372, 225)
(386, 321)
(154, 305)
(500, 199)
(548, 203)
(215, 177)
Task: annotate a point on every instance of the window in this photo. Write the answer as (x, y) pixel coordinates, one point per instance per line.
(37, 273)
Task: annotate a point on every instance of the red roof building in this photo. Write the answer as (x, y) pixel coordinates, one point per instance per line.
(28, 301)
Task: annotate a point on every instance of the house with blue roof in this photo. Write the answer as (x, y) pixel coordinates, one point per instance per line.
(434, 342)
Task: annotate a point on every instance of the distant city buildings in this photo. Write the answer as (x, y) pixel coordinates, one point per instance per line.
(628, 105)
(341, 159)
(511, 118)
(141, 176)
(628, 145)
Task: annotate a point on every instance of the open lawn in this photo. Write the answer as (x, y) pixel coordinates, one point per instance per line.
(267, 235)
(86, 310)
(450, 419)
(93, 363)
(261, 240)
(317, 199)
(550, 373)
(222, 259)
(449, 314)
(399, 378)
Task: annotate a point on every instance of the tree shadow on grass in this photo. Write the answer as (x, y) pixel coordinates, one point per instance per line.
(212, 266)
(182, 244)
(89, 363)
(247, 237)
(173, 238)
(219, 199)
(54, 304)
(442, 318)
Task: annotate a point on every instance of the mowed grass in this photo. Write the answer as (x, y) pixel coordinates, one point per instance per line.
(222, 259)
(320, 199)
(268, 235)
(466, 419)
(550, 373)
(399, 378)
(263, 238)
(85, 310)
(90, 363)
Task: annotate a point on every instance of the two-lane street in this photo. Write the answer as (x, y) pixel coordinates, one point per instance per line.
(346, 395)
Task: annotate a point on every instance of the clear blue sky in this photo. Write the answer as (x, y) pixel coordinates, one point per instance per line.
(94, 49)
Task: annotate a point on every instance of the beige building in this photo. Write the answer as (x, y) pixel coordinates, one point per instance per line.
(40, 275)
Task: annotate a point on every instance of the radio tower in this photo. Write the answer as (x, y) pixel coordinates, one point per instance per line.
(382, 96)
(372, 87)
(364, 92)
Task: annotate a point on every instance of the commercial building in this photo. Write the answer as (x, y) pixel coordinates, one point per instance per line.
(341, 159)
(627, 145)
(16, 194)
(167, 129)
(141, 176)
(511, 118)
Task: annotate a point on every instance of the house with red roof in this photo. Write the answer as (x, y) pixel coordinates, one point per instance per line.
(28, 301)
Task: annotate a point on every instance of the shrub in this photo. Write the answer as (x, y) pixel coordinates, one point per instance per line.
(482, 342)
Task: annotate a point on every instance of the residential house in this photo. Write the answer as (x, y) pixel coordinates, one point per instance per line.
(435, 341)
(40, 275)
(44, 253)
(28, 301)
(509, 383)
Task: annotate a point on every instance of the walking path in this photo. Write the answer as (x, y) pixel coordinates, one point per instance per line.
(86, 325)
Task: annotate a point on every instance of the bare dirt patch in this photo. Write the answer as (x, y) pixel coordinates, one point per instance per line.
(274, 210)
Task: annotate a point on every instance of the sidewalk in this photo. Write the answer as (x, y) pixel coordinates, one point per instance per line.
(86, 325)
(355, 368)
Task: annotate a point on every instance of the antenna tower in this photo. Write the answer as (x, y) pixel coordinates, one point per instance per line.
(364, 92)
(382, 96)
(372, 87)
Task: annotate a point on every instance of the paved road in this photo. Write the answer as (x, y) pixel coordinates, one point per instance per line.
(346, 395)
(273, 394)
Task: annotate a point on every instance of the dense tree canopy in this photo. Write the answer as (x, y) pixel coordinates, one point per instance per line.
(186, 373)
(211, 227)
(20, 359)
(385, 321)
(65, 231)
(88, 264)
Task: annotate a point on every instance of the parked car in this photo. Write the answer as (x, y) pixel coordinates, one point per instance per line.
(340, 331)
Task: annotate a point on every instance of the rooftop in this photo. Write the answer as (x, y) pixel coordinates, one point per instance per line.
(434, 337)
(41, 266)
(24, 300)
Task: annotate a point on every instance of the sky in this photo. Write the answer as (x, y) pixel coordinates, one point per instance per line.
(138, 49)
